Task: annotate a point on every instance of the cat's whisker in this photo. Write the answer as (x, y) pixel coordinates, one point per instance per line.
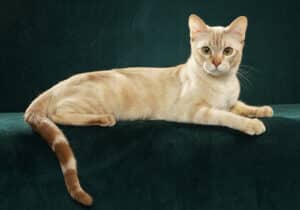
(250, 68)
(245, 81)
(245, 72)
(241, 79)
(245, 76)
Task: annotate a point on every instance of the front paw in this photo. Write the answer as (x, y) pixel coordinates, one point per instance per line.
(254, 127)
(264, 111)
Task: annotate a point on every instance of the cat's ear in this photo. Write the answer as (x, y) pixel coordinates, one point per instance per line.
(196, 25)
(238, 27)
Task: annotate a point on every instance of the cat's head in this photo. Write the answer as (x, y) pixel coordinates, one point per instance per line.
(218, 50)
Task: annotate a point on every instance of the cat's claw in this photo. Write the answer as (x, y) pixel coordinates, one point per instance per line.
(254, 127)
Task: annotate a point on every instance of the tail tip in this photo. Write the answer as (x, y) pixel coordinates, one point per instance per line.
(83, 198)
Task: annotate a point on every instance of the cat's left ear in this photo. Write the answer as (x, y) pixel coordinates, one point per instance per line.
(238, 27)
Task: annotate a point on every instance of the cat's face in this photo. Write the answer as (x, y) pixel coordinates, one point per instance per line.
(218, 50)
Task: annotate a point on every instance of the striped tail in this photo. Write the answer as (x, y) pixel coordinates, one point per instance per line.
(35, 116)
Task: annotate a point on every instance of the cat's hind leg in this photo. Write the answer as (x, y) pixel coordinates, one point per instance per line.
(78, 119)
(73, 113)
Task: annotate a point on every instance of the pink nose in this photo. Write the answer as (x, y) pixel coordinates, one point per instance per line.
(216, 61)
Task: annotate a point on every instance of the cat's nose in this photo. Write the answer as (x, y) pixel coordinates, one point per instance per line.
(216, 61)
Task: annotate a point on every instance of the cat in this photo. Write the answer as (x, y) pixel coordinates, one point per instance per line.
(204, 90)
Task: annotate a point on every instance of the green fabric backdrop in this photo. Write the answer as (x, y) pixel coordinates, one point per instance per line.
(156, 165)
(43, 42)
(148, 164)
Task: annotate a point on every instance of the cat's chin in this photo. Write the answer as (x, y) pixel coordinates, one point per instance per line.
(215, 72)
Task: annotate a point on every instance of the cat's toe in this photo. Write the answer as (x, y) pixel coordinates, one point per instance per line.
(264, 111)
(254, 127)
(107, 121)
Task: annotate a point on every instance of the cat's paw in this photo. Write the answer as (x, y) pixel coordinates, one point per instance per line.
(264, 111)
(254, 127)
(107, 121)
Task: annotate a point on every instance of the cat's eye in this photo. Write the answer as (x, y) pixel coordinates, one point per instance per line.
(206, 50)
(228, 51)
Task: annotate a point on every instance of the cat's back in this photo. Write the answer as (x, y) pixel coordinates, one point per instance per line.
(117, 75)
(128, 78)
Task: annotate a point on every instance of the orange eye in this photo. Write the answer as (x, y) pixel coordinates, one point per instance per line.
(228, 51)
(206, 50)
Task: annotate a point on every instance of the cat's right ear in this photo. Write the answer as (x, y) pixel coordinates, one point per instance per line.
(196, 25)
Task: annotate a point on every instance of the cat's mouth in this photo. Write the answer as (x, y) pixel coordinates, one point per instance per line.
(212, 70)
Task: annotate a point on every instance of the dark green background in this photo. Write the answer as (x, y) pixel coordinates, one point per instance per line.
(149, 165)
(42, 42)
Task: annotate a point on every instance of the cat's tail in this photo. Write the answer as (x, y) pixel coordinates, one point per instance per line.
(36, 117)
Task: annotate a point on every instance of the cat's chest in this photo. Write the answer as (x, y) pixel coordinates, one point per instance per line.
(222, 99)
(220, 95)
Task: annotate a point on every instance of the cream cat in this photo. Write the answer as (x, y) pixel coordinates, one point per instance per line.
(204, 90)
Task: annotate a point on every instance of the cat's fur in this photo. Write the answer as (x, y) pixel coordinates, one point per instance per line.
(204, 90)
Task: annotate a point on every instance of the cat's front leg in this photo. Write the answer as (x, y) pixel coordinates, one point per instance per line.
(211, 116)
(243, 109)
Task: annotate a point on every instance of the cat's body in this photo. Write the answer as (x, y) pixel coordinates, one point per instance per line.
(204, 90)
(141, 93)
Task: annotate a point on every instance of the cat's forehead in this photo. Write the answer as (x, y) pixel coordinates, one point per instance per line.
(218, 29)
(217, 38)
